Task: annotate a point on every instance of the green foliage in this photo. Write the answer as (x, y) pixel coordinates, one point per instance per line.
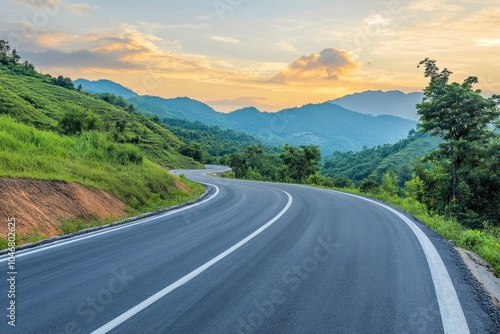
(461, 180)
(194, 151)
(376, 161)
(415, 188)
(288, 164)
(63, 82)
(320, 180)
(33, 100)
(342, 181)
(76, 120)
(300, 162)
(214, 141)
(390, 183)
(369, 185)
(90, 159)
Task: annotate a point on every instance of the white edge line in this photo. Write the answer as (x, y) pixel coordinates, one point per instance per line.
(111, 229)
(452, 314)
(141, 306)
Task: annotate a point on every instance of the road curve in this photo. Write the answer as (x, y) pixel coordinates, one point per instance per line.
(253, 258)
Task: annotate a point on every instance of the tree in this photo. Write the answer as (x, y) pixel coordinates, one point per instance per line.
(195, 151)
(459, 115)
(238, 163)
(254, 155)
(369, 185)
(300, 162)
(15, 57)
(76, 120)
(390, 183)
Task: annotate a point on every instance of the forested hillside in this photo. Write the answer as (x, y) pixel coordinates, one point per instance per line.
(399, 158)
(326, 125)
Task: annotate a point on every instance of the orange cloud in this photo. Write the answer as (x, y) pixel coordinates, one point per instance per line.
(331, 63)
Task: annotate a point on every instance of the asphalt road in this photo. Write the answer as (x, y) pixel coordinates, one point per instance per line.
(252, 258)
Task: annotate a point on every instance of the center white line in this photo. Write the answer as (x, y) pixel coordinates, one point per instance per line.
(139, 307)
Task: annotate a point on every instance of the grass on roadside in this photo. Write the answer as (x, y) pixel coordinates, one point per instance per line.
(92, 160)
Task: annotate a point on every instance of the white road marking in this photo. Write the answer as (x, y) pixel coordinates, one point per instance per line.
(141, 306)
(452, 314)
(111, 229)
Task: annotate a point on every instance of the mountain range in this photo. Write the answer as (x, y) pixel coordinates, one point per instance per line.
(329, 125)
(393, 102)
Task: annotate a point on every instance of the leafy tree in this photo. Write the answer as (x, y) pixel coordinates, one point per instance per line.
(461, 179)
(342, 181)
(15, 57)
(195, 151)
(238, 163)
(390, 183)
(255, 155)
(415, 188)
(458, 114)
(300, 162)
(63, 82)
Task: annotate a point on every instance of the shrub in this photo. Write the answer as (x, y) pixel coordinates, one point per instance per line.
(369, 185)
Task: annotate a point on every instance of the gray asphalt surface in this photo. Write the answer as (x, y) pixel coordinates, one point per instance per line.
(330, 264)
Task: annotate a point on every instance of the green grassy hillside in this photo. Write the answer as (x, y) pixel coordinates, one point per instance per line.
(90, 159)
(31, 99)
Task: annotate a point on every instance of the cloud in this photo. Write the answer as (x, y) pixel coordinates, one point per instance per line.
(488, 42)
(225, 39)
(78, 8)
(377, 20)
(438, 6)
(125, 50)
(203, 17)
(77, 59)
(331, 63)
(286, 46)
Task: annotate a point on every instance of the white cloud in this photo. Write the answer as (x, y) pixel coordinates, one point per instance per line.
(223, 39)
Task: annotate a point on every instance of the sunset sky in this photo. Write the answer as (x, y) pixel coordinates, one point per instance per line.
(269, 54)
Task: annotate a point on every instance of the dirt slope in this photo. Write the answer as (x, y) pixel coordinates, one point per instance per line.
(39, 206)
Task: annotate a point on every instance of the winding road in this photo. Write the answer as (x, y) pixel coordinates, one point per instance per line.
(252, 257)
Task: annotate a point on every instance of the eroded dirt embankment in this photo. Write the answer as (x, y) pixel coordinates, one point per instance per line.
(40, 206)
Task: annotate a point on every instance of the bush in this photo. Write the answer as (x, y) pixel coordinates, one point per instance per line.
(369, 185)
(76, 120)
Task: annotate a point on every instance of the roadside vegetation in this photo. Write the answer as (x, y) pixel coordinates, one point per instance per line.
(52, 130)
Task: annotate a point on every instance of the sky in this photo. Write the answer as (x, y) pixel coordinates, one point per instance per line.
(270, 54)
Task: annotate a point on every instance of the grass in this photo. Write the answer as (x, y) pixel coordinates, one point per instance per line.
(33, 101)
(92, 160)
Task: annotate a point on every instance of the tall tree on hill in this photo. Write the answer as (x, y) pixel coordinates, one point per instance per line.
(461, 116)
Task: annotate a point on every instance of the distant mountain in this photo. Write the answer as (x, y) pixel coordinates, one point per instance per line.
(180, 107)
(105, 86)
(394, 103)
(327, 125)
